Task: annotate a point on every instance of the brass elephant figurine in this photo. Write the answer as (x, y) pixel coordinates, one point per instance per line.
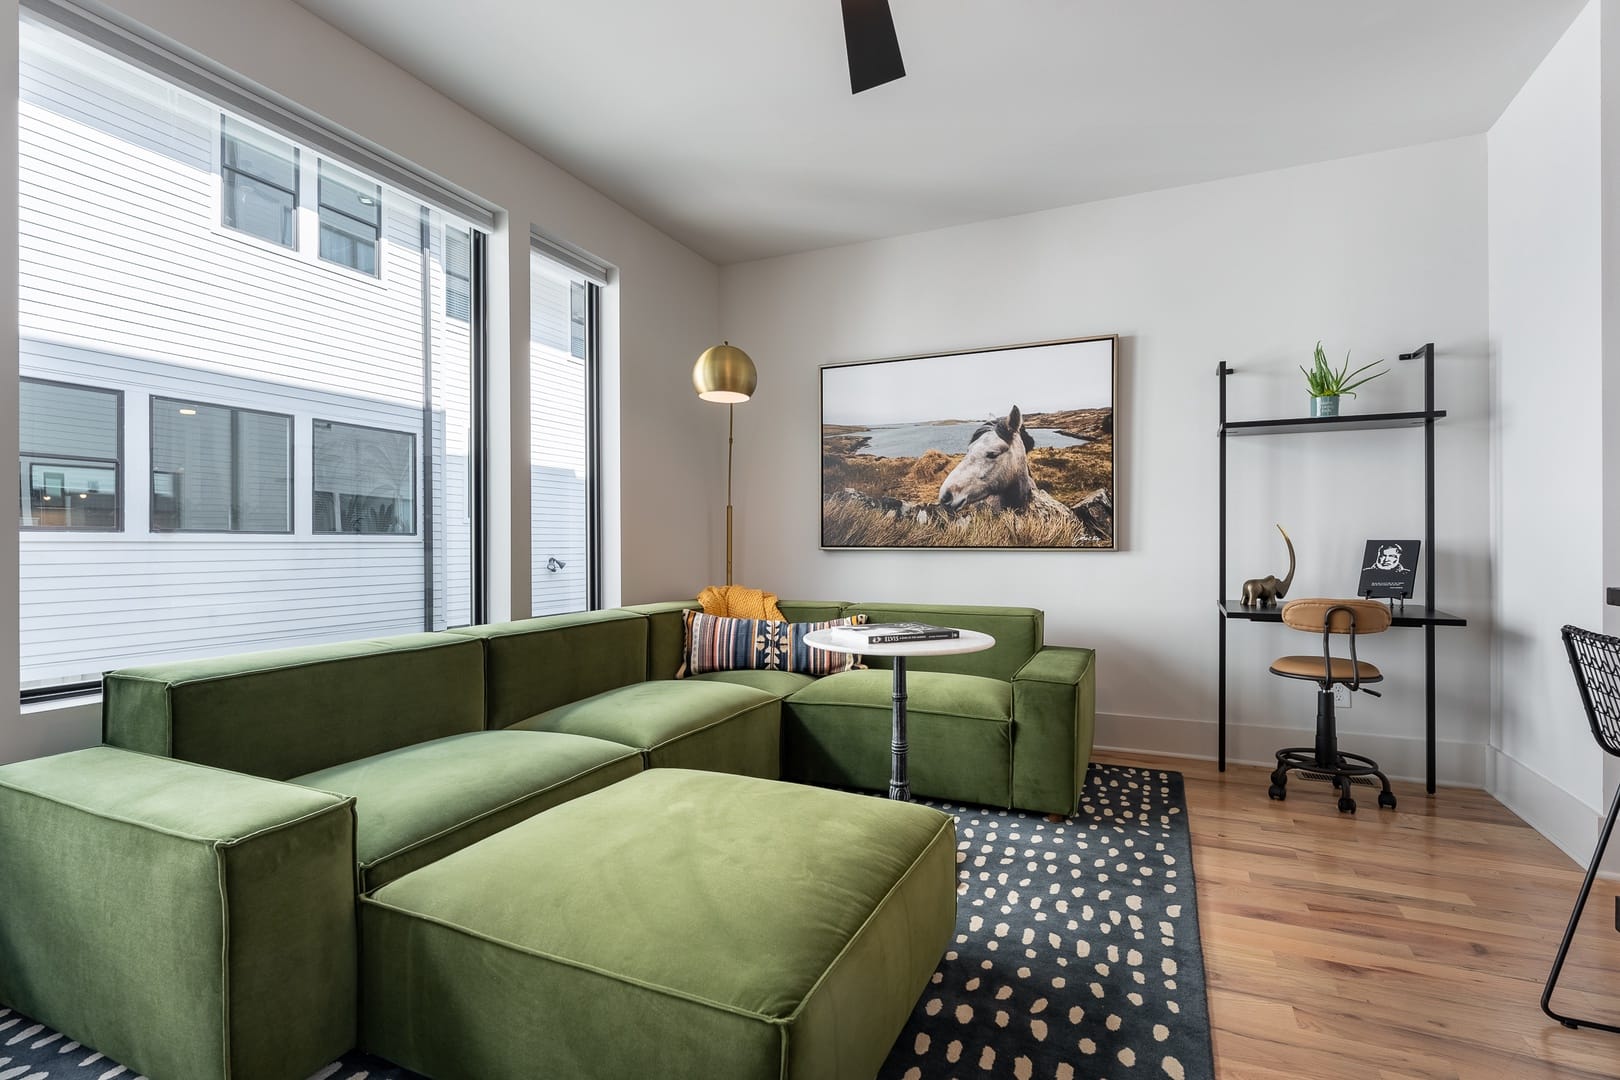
(1266, 591)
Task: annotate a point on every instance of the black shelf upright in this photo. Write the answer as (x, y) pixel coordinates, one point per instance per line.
(1428, 616)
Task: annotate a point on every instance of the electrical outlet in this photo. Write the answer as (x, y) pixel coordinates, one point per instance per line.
(1341, 696)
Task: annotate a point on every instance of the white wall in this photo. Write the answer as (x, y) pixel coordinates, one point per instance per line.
(661, 312)
(1377, 254)
(1547, 360)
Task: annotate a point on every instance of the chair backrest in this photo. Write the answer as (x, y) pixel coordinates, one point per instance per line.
(1317, 614)
(1596, 660)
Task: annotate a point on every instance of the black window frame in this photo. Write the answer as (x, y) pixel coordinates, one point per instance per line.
(78, 459)
(416, 480)
(228, 174)
(322, 208)
(235, 410)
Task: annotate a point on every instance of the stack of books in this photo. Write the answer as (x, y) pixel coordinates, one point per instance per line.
(894, 633)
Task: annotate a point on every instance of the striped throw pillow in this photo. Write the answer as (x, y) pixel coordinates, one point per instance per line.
(716, 643)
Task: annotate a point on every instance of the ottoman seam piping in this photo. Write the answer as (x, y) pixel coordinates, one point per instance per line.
(539, 954)
(885, 708)
(949, 822)
(496, 810)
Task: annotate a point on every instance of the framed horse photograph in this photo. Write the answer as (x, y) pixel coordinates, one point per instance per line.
(1003, 448)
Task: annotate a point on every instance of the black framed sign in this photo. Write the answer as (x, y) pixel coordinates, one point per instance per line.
(1389, 569)
(1001, 448)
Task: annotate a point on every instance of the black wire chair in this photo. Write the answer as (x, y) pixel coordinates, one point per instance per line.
(1596, 660)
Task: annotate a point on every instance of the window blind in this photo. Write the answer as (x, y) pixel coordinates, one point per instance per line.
(115, 33)
(580, 262)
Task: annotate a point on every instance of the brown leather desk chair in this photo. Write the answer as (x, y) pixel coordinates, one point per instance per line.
(1325, 760)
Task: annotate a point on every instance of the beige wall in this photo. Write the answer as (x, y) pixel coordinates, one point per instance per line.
(1378, 254)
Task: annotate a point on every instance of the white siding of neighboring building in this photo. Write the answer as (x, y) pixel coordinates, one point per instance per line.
(128, 281)
(559, 454)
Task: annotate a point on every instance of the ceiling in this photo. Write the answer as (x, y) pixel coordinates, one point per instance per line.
(729, 123)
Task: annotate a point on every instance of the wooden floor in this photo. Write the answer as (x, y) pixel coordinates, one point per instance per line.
(1390, 944)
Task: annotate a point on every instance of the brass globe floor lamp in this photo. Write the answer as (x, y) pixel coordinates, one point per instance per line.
(726, 374)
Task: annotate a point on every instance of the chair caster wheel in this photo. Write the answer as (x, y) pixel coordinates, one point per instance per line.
(1347, 805)
(1278, 792)
(1386, 799)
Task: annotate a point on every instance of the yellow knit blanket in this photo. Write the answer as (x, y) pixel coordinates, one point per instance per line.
(740, 602)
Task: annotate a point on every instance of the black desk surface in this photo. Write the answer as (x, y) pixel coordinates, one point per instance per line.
(1414, 615)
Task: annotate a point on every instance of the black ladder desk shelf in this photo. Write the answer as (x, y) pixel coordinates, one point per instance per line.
(1426, 614)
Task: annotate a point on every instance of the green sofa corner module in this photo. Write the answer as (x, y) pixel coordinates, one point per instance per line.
(287, 712)
(537, 664)
(683, 725)
(161, 912)
(629, 940)
(420, 803)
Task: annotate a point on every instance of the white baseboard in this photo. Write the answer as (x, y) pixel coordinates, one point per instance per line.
(1549, 809)
(1457, 764)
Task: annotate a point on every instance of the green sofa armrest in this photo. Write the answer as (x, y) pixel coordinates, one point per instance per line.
(1054, 716)
(190, 922)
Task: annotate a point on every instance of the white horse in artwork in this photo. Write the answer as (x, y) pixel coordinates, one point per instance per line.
(995, 472)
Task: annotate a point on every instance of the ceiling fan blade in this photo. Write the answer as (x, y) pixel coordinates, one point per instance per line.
(874, 50)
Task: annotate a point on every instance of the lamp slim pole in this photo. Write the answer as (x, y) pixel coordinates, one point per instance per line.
(731, 434)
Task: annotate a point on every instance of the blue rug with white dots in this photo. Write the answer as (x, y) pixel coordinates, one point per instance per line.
(1076, 955)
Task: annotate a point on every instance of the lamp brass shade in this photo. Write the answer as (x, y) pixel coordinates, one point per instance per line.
(726, 374)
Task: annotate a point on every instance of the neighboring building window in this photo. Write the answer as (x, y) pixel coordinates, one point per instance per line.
(365, 480)
(218, 469)
(351, 219)
(562, 433)
(576, 319)
(69, 456)
(259, 176)
(457, 274)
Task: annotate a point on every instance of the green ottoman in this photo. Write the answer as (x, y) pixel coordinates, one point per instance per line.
(188, 922)
(676, 924)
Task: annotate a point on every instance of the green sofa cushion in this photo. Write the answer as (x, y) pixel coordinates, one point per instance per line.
(1018, 633)
(666, 635)
(779, 683)
(687, 724)
(837, 732)
(420, 803)
(812, 610)
(680, 925)
(927, 693)
(288, 712)
(189, 922)
(539, 664)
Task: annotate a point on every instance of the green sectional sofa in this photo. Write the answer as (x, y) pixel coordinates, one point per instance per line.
(265, 816)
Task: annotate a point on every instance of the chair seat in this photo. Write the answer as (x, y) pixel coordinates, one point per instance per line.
(1310, 667)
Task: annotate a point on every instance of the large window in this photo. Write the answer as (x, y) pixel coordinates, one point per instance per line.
(266, 336)
(69, 456)
(562, 437)
(365, 480)
(216, 469)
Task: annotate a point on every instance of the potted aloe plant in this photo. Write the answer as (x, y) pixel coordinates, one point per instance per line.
(1327, 385)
